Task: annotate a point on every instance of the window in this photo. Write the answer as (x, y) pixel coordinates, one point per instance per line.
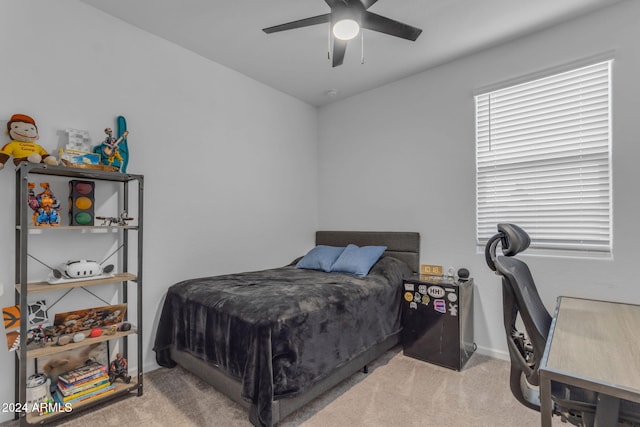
(543, 160)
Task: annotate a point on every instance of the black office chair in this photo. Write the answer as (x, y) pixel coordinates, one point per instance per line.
(521, 299)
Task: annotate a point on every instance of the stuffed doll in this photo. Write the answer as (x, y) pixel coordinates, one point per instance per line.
(23, 132)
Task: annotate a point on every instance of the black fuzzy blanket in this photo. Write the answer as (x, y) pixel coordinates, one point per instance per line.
(280, 331)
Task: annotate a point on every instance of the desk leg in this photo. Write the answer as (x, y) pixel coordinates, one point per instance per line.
(545, 400)
(607, 410)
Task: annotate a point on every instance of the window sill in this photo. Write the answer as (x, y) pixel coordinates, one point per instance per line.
(560, 253)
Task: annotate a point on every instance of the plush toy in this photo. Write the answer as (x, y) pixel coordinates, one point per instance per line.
(23, 132)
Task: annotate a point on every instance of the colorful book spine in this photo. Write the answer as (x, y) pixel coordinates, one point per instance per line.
(69, 391)
(87, 397)
(94, 395)
(81, 373)
(86, 392)
(79, 384)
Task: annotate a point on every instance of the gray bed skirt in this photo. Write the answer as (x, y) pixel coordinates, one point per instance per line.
(232, 388)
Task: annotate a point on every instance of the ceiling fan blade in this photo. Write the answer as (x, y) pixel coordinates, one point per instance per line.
(368, 3)
(374, 22)
(339, 49)
(314, 20)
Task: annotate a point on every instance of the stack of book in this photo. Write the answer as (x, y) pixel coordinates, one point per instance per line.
(83, 384)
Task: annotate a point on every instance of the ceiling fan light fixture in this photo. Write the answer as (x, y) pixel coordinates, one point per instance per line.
(346, 29)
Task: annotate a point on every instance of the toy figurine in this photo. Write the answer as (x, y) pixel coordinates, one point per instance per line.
(112, 151)
(23, 132)
(45, 206)
(118, 369)
(111, 220)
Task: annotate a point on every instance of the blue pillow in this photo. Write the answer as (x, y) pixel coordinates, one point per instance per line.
(320, 258)
(358, 261)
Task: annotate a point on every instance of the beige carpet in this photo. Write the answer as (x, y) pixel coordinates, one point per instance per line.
(397, 391)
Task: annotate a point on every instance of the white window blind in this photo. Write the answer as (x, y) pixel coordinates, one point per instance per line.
(543, 160)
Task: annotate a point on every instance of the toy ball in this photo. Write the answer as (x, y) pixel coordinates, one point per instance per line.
(64, 340)
(95, 332)
(125, 326)
(79, 337)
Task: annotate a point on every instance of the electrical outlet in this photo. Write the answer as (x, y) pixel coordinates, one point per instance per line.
(431, 270)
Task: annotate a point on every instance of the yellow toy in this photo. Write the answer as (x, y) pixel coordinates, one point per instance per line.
(45, 205)
(23, 132)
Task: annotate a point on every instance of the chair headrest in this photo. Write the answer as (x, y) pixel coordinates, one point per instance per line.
(513, 240)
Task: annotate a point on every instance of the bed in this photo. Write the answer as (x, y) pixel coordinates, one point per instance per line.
(273, 340)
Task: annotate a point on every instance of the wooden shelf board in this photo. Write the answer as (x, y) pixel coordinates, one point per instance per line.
(46, 287)
(53, 349)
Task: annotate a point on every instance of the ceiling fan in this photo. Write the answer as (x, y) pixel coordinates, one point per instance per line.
(346, 18)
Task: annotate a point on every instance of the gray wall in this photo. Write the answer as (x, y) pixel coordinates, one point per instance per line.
(229, 163)
(401, 157)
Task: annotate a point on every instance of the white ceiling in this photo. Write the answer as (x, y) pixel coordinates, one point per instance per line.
(295, 62)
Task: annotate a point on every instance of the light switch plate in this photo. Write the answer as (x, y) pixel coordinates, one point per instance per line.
(431, 270)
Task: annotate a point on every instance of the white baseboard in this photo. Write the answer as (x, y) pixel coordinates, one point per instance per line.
(491, 352)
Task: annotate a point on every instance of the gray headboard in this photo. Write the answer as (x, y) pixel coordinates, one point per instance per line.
(402, 245)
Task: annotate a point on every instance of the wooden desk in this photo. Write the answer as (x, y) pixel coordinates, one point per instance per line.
(594, 345)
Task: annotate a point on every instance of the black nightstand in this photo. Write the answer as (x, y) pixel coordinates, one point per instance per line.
(437, 320)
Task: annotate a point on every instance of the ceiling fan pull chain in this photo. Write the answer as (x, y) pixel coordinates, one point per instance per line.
(362, 47)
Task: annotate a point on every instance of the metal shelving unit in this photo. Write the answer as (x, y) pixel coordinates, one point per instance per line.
(23, 287)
